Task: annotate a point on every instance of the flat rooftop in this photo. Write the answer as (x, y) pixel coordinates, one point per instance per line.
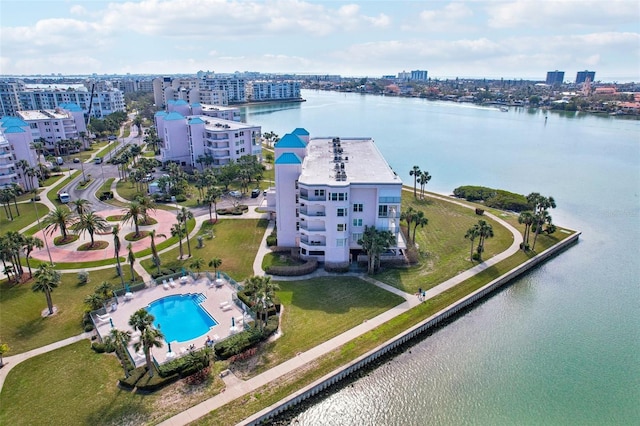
(218, 124)
(349, 161)
(42, 115)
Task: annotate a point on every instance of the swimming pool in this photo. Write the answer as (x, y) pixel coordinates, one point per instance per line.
(180, 317)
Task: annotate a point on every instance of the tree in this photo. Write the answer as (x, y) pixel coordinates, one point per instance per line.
(527, 219)
(81, 206)
(415, 172)
(212, 198)
(90, 222)
(197, 263)
(541, 206)
(408, 216)
(137, 121)
(485, 230)
(423, 180)
(29, 244)
(262, 291)
(59, 218)
(117, 245)
(94, 301)
(472, 234)
(4, 348)
(47, 279)
(154, 251)
(183, 216)
(131, 258)
(150, 337)
(215, 264)
(418, 220)
(178, 231)
(135, 213)
(374, 242)
(120, 340)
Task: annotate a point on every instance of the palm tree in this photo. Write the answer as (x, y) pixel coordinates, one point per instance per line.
(150, 337)
(131, 258)
(541, 206)
(94, 301)
(472, 234)
(134, 213)
(212, 197)
(137, 121)
(90, 222)
(154, 250)
(47, 279)
(105, 289)
(178, 231)
(120, 340)
(423, 180)
(215, 264)
(117, 245)
(81, 205)
(183, 216)
(408, 216)
(197, 263)
(374, 242)
(418, 220)
(415, 172)
(148, 205)
(527, 218)
(485, 230)
(59, 218)
(29, 244)
(262, 291)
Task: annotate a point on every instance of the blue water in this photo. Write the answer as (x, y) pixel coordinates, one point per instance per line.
(559, 346)
(180, 317)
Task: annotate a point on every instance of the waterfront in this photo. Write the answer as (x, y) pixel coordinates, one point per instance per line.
(559, 346)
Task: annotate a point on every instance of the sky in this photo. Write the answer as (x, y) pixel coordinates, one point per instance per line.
(467, 39)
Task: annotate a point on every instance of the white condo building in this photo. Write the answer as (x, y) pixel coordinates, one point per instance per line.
(104, 102)
(215, 111)
(190, 139)
(54, 125)
(327, 190)
(15, 145)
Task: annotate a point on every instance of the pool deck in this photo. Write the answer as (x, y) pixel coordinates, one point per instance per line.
(215, 295)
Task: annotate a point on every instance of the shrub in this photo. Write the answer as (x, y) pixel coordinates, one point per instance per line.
(181, 198)
(134, 376)
(88, 327)
(83, 277)
(237, 343)
(102, 347)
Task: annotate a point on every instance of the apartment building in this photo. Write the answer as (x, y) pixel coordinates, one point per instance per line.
(273, 90)
(104, 102)
(54, 125)
(15, 145)
(215, 111)
(327, 190)
(199, 140)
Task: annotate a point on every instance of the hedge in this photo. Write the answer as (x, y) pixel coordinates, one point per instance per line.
(497, 198)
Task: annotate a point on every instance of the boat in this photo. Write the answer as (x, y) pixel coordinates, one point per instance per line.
(504, 109)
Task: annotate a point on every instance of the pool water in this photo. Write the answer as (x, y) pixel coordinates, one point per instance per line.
(180, 317)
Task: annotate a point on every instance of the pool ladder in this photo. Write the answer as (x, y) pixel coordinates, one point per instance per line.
(200, 298)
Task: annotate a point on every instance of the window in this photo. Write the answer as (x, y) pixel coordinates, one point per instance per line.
(355, 237)
(319, 192)
(341, 242)
(357, 222)
(342, 212)
(333, 196)
(316, 252)
(338, 196)
(342, 196)
(342, 227)
(383, 210)
(358, 207)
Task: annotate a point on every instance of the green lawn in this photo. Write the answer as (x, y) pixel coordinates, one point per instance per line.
(319, 309)
(21, 325)
(27, 217)
(235, 242)
(444, 252)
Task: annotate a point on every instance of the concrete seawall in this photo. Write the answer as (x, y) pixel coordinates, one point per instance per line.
(443, 315)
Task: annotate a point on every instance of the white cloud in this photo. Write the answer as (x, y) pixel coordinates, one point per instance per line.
(451, 17)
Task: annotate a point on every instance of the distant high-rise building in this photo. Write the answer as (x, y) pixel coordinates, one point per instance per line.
(581, 76)
(419, 75)
(555, 77)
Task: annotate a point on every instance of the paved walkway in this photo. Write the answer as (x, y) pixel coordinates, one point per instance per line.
(235, 387)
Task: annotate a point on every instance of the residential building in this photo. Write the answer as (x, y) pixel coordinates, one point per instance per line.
(273, 90)
(15, 145)
(215, 111)
(555, 77)
(191, 90)
(198, 140)
(327, 190)
(419, 75)
(104, 102)
(52, 126)
(9, 99)
(582, 76)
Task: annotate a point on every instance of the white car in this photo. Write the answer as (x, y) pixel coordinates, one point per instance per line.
(236, 194)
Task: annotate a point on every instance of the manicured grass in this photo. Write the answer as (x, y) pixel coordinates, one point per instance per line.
(279, 259)
(444, 252)
(131, 236)
(106, 186)
(127, 190)
(319, 309)
(27, 217)
(53, 179)
(97, 245)
(21, 325)
(52, 195)
(61, 241)
(236, 243)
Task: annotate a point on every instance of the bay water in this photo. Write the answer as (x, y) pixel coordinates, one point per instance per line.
(559, 346)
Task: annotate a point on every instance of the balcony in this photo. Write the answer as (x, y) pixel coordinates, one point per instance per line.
(311, 197)
(313, 227)
(312, 213)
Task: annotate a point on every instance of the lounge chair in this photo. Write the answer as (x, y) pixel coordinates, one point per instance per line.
(227, 308)
(171, 283)
(103, 318)
(223, 304)
(128, 296)
(165, 285)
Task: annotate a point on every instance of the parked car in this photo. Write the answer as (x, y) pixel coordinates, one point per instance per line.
(97, 160)
(112, 138)
(255, 193)
(236, 194)
(76, 160)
